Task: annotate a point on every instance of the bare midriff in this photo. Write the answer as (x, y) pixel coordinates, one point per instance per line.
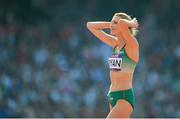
(120, 80)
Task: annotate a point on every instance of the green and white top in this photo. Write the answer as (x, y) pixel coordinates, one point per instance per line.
(119, 61)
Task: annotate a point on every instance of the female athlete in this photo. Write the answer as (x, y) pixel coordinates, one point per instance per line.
(122, 62)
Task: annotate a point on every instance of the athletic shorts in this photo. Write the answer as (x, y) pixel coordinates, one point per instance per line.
(127, 95)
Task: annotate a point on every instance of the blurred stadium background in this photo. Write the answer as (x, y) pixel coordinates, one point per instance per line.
(52, 66)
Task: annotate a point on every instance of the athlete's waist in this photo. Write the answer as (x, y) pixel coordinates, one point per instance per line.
(120, 88)
(119, 82)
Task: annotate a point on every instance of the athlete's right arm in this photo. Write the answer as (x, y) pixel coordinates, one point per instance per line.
(97, 29)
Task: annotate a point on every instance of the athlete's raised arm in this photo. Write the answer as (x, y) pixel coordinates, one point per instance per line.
(97, 29)
(132, 46)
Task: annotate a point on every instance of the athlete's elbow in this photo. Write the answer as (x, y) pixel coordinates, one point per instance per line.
(88, 25)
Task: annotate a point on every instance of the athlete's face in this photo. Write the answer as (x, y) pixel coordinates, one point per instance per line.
(114, 25)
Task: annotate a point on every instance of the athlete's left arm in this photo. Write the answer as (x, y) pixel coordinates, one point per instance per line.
(132, 46)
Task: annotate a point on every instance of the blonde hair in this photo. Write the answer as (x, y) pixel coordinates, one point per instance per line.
(133, 31)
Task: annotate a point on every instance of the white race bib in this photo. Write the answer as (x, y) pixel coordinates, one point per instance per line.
(115, 63)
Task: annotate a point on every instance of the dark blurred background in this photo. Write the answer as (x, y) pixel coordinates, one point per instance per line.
(52, 66)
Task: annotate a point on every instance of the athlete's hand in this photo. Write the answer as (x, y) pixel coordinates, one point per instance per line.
(134, 23)
(131, 23)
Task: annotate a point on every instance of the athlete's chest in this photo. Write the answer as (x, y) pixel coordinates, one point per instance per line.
(115, 60)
